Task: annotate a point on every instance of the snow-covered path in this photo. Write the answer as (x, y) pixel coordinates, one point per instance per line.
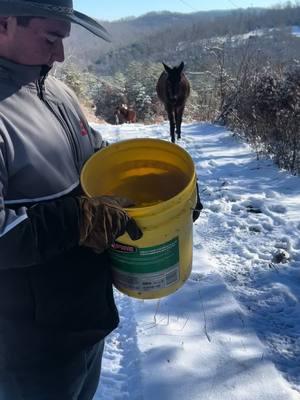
(200, 342)
(252, 221)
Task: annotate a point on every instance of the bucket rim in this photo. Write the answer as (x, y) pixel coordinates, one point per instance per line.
(163, 205)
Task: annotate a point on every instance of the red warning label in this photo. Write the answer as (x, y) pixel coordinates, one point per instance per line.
(124, 248)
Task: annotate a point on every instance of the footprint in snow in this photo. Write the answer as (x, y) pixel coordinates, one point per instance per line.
(212, 163)
(280, 257)
(253, 209)
(196, 276)
(267, 226)
(283, 243)
(255, 228)
(277, 208)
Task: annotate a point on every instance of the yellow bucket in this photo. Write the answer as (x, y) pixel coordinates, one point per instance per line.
(159, 177)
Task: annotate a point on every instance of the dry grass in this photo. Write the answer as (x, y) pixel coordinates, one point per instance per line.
(89, 114)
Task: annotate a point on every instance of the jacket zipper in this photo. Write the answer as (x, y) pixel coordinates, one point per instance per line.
(63, 123)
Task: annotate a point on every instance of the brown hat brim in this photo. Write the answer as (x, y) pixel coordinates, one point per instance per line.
(23, 9)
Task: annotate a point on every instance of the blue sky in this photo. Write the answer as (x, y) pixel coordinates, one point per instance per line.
(115, 9)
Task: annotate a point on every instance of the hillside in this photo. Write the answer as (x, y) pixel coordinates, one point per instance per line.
(172, 36)
(83, 46)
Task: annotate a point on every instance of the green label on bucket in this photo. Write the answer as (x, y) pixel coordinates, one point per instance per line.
(146, 269)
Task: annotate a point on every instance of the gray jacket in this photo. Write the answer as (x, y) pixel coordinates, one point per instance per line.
(55, 296)
(44, 141)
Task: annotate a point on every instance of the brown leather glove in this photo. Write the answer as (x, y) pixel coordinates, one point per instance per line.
(103, 220)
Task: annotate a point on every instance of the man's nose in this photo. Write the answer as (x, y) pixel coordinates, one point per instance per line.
(59, 51)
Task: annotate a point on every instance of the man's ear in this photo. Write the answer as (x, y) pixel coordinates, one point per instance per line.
(3, 24)
(7, 24)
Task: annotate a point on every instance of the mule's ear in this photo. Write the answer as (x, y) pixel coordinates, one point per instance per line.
(167, 69)
(180, 67)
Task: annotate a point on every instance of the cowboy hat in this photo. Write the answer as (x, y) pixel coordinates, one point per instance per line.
(60, 9)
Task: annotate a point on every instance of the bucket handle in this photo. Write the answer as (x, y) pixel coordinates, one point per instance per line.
(190, 202)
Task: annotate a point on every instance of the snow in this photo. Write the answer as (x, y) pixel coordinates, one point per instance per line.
(232, 331)
(235, 39)
(296, 30)
(219, 40)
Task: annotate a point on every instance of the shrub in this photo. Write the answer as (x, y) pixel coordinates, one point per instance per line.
(266, 112)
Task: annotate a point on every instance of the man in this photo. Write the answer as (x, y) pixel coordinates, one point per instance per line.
(56, 300)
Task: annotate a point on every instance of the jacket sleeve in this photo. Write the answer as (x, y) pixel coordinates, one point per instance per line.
(33, 236)
(30, 236)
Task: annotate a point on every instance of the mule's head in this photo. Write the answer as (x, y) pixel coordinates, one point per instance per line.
(173, 81)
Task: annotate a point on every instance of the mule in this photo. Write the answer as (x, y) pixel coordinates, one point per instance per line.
(173, 90)
(123, 114)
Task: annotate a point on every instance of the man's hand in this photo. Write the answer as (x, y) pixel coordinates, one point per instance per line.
(103, 220)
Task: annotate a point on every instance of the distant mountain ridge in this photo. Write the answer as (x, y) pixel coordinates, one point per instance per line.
(158, 36)
(83, 46)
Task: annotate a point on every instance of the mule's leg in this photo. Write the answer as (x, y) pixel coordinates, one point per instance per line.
(178, 119)
(172, 123)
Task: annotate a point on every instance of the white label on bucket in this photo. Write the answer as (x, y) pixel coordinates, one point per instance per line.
(146, 269)
(147, 282)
